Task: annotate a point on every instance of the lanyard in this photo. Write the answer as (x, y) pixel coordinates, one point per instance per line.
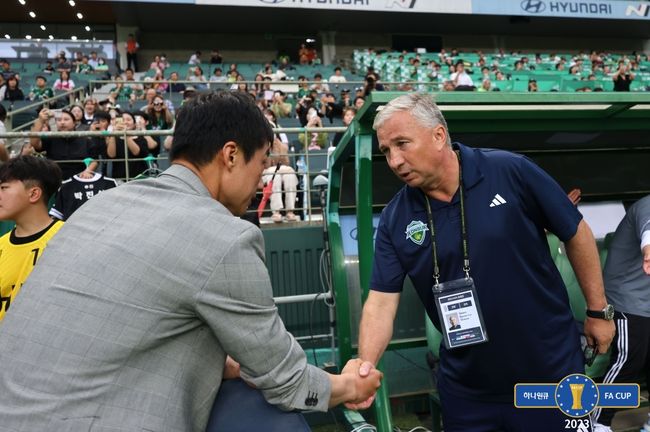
(434, 253)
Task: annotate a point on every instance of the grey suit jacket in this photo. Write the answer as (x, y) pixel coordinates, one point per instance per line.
(125, 322)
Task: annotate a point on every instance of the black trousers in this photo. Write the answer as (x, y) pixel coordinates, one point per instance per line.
(132, 61)
(630, 360)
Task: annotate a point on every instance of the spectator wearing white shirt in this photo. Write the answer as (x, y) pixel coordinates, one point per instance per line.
(338, 76)
(195, 59)
(460, 78)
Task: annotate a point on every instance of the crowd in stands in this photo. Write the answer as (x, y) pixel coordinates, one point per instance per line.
(516, 71)
(319, 96)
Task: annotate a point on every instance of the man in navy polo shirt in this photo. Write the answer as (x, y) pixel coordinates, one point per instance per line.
(522, 329)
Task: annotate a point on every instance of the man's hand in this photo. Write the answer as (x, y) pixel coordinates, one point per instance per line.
(646, 259)
(230, 369)
(599, 333)
(44, 115)
(364, 371)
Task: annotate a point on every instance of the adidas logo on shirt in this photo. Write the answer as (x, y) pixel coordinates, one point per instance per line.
(497, 201)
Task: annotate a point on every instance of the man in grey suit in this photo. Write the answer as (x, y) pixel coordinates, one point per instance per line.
(127, 321)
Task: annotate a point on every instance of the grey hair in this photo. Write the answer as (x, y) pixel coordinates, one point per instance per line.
(420, 105)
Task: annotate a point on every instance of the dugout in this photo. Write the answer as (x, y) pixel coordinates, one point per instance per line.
(598, 142)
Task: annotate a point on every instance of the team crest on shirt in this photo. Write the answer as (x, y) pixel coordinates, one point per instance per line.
(416, 232)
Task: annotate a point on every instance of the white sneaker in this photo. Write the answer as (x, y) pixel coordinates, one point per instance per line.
(601, 428)
(646, 426)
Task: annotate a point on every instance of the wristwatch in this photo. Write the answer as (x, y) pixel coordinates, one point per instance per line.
(606, 314)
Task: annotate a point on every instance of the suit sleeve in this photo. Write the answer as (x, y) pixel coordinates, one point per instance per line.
(237, 303)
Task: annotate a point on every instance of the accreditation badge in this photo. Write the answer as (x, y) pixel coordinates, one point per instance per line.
(461, 320)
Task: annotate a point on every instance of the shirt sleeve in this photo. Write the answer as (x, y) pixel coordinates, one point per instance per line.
(642, 216)
(237, 303)
(547, 203)
(57, 208)
(387, 271)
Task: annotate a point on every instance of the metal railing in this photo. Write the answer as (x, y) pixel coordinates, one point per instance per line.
(303, 171)
(72, 95)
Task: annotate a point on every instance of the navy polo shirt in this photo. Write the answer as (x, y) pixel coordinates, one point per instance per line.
(509, 202)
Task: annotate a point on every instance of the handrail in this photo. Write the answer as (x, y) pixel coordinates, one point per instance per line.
(307, 189)
(36, 104)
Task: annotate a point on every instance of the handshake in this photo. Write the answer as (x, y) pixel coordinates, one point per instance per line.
(361, 381)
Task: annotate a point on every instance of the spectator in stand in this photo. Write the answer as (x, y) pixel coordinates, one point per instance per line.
(305, 104)
(338, 77)
(129, 81)
(267, 93)
(348, 116)
(285, 175)
(359, 101)
(78, 56)
(319, 85)
(314, 140)
(84, 66)
(486, 85)
(218, 77)
(371, 85)
(11, 90)
(40, 90)
(460, 78)
(329, 107)
(345, 101)
(93, 61)
(159, 116)
(499, 76)
(63, 83)
(258, 86)
(303, 55)
(102, 67)
(137, 148)
(27, 183)
(131, 46)
(280, 107)
(623, 78)
(48, 69)
(175, 86)
(195, 59)
(63, 150)
(7, 72)
(121, 92)
(150, 96)
(4, 154)
(303, 87)
(90, 108)
(78, 114)
(101, 122)
(240, 85)
(157, 64)
(197, 78)
(160, 84)
(215, 57)
(532, 85)
(142, 123)
(62, 63)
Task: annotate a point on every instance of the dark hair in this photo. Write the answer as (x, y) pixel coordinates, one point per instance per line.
(40, 76)
(42, 172)
(3, 113)
(101, 115)
(68, 112)
(208, 121)
(129, 113)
